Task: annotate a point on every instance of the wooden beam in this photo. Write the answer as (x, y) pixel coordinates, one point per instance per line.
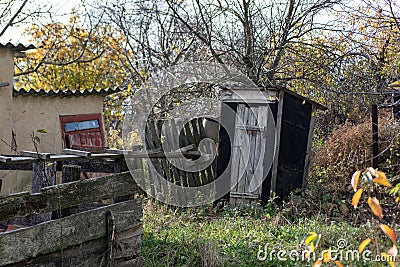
(27, 243)
(308, 151)
(277, 141)
(82, 153)
(67, 195)
(5, 159)
(35, 154)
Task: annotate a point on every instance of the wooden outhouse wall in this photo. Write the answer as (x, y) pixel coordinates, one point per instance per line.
(293, 116)
(291, 158)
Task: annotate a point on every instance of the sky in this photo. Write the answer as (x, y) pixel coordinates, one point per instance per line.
(15, 35)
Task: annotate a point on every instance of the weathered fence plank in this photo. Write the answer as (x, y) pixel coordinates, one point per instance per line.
(43, 175)
(67, 195)
(70, 173)
(20, 245)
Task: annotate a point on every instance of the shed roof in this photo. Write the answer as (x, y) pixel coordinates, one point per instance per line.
(66, 93)
(19, 47)
(312, 102)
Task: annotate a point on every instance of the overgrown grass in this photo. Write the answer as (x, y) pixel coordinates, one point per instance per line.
(233, 237)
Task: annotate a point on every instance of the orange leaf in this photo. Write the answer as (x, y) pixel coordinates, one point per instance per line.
(363, 245)
(375, 207)
(354, 180)
(327, 255)
(389, 232)
(318, 263)
(356, 198)
(381, 179)
(338, 264)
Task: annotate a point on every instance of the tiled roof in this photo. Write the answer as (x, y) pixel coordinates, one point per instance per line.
(66, 93)
(17, 46)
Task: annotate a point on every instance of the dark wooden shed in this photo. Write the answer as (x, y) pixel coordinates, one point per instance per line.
(276, 162)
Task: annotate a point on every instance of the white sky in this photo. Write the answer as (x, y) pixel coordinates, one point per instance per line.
(61, 8)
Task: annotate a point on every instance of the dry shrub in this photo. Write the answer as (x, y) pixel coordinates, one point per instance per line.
(349, 148)
(209, 255)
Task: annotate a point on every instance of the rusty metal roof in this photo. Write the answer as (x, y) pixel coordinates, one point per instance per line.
(16, 46)
(66, 93)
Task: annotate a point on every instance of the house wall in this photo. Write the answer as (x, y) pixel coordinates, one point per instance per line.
(31, 113)
(6, 76)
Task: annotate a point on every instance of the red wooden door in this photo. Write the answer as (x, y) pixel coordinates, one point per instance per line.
(83, 132)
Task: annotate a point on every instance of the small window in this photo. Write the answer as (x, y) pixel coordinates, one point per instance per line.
(81, 125)
(84, 131)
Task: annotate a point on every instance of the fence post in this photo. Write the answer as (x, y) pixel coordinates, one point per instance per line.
(44, 174)
(70, 173)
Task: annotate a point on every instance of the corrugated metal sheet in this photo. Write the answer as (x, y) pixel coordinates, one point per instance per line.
(17, 46)
(66, 93)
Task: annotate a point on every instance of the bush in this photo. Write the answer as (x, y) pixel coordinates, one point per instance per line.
(349, 148)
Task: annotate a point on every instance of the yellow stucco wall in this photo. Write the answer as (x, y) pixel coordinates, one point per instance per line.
(30, 113)
(6, 76)
(26, 114)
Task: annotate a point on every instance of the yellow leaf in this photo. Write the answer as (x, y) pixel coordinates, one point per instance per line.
(311, 238)
(375, 207)
(354, 180)
(327, 255)
(363, 245)
(356, 198)
(381, 179)
(318, 263)
(388, 258)
(389, 232)
(338, 264)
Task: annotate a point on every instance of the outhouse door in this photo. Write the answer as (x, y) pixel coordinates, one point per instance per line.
(248, 153)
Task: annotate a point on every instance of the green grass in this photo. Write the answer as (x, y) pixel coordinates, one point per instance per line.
(233, 237)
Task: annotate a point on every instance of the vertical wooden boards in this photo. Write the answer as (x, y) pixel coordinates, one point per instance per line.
(308, 152)
(248, 154)
(277, 141)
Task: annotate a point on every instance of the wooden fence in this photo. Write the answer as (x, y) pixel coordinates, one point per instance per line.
(190, 134)
(105, 236)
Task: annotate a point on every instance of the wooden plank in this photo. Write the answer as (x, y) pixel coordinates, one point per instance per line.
(35, 154)
(43, 175)
(67, 195)
(248, 96)
(240, 153)
(277, 141)
(251, 128)
(171, 134)
(308, 151)
(123, 152)
(82, 153)
(70, 173)
(5, 159)
(91, 253)
(23, 244)
(96, 165)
